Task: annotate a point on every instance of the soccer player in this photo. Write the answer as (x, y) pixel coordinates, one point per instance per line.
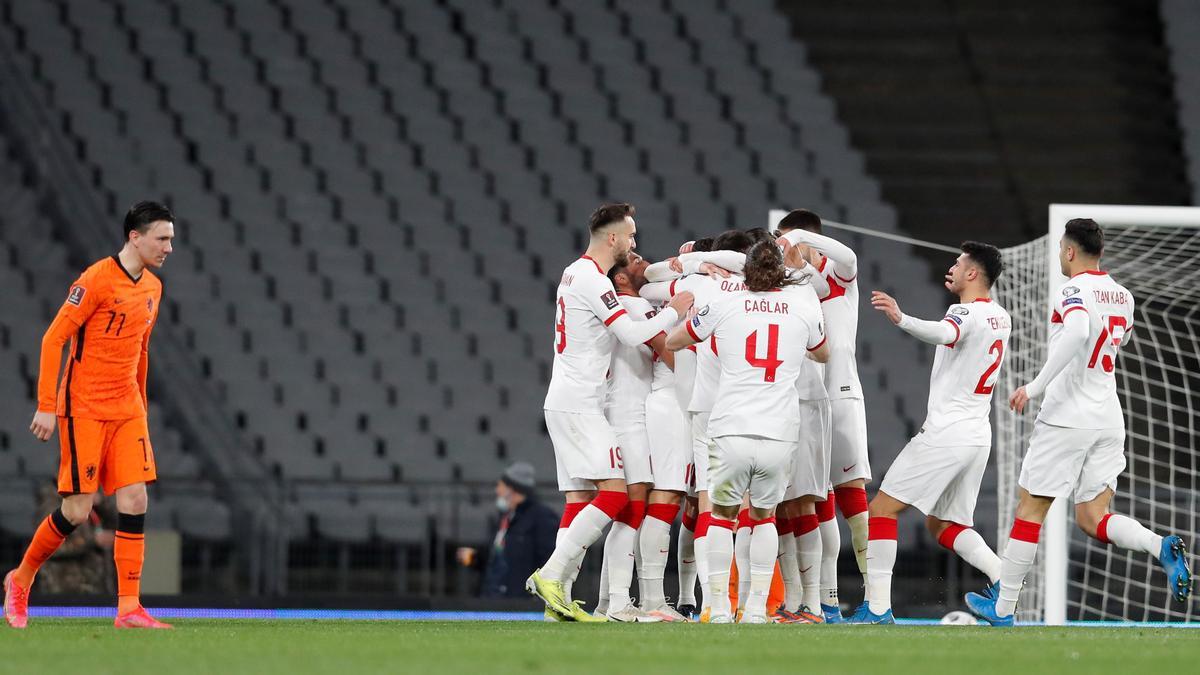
(589, 319)
(1078, 442)
(99, 409)
(940, 469)
(706, 288)
(630, 380)
(800, 548)
(765, 330)
(849, 467)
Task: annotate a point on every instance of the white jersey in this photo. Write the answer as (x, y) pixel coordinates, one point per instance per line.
(586, 304)
(964, 374)
(1084, 394)
(708, 368)
(811, 384)
(663, 376)
(630, 372)
(841, 320)
(762, 340)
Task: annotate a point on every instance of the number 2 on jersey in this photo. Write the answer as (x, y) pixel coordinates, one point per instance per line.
(983, 387)
(560, 327)
(771, 363)
(1113, 334)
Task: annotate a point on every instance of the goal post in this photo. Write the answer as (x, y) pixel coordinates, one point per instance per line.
(1152, 250)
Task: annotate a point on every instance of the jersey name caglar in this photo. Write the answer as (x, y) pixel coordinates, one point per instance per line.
(1084, 394)
(585, 305)
(964, 375)
(762, 341)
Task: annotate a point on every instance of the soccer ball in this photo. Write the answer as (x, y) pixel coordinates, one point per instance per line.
(959, 618)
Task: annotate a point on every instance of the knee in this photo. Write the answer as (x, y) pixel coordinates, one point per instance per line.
(936, 526)
(76, 508)
(132, 500)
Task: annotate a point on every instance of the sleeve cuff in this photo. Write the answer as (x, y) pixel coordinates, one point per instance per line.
(614, 317)
(691, 332)
(957, 333)
(818, 345)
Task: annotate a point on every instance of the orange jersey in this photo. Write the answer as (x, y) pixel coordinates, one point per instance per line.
(107, 316)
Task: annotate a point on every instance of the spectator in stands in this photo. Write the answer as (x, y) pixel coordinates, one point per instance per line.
(524, 535)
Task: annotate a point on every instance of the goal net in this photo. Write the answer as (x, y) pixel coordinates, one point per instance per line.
(1155, 253)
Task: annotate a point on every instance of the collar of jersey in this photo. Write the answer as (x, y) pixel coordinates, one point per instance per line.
(588, 257)
(1096, 272)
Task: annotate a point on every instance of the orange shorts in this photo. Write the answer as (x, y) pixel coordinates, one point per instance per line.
(108, 453)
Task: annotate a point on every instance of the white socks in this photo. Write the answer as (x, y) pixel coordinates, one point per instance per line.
(1018, 557)
(831, 545)
(720, 558)
(881, 558)
(583, 530)
(654, 542)
(686, 562)
(810, 557)
(741, 553)
(619, 558)
(764, 545)
(971, 547)
(1128, 533)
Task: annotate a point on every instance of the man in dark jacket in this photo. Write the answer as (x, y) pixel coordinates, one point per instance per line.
(524, 535)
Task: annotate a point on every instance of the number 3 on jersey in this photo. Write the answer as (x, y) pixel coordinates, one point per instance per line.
(1112, 334)
(560, 327)
(771, 362)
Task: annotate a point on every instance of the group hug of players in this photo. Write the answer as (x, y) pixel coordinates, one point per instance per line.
(723, 382)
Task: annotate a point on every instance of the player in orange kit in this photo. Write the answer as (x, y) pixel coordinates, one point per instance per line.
(99, 407)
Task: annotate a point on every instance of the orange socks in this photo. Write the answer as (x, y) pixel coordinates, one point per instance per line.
(129, 552)
(49, 536)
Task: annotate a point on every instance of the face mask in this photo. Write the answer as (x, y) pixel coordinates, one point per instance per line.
(502, 504)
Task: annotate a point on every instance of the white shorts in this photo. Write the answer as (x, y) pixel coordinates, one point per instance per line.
(702, 449)
(810, 468)
(633, 453)
(759, 465)
(941, 481)
(585, 449)
(848, 441)
(1062, 460)
(670, 437)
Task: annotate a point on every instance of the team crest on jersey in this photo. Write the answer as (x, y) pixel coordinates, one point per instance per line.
(1073, 301)
(610, 299)
(961, 311)
(90, 471)
(76, 295)
(1070, 290)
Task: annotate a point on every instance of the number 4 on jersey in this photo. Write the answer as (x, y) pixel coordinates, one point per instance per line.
(771, 363)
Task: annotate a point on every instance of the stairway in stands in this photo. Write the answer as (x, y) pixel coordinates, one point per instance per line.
(977, 114)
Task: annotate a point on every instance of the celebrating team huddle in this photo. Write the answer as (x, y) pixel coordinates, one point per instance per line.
(723, 382)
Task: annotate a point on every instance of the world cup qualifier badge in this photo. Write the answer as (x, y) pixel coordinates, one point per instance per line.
(610, 299)
(76, 295)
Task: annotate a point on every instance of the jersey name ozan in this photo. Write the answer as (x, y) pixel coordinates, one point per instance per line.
(762, 339)
(1084, 395)
(964, 375)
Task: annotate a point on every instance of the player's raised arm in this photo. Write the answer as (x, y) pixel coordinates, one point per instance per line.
(631, 332)
(796, 260)
(721, 263)
(844, 259)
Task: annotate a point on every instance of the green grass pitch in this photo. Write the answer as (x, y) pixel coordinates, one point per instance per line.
(431, 648)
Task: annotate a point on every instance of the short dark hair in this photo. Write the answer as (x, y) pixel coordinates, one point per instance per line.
(1086, 233)
(733, 240)
(142, 214)
(986, 256)
(758, 234)
(764, 269)
(608, 214)
(702, 245)
(800, 219)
